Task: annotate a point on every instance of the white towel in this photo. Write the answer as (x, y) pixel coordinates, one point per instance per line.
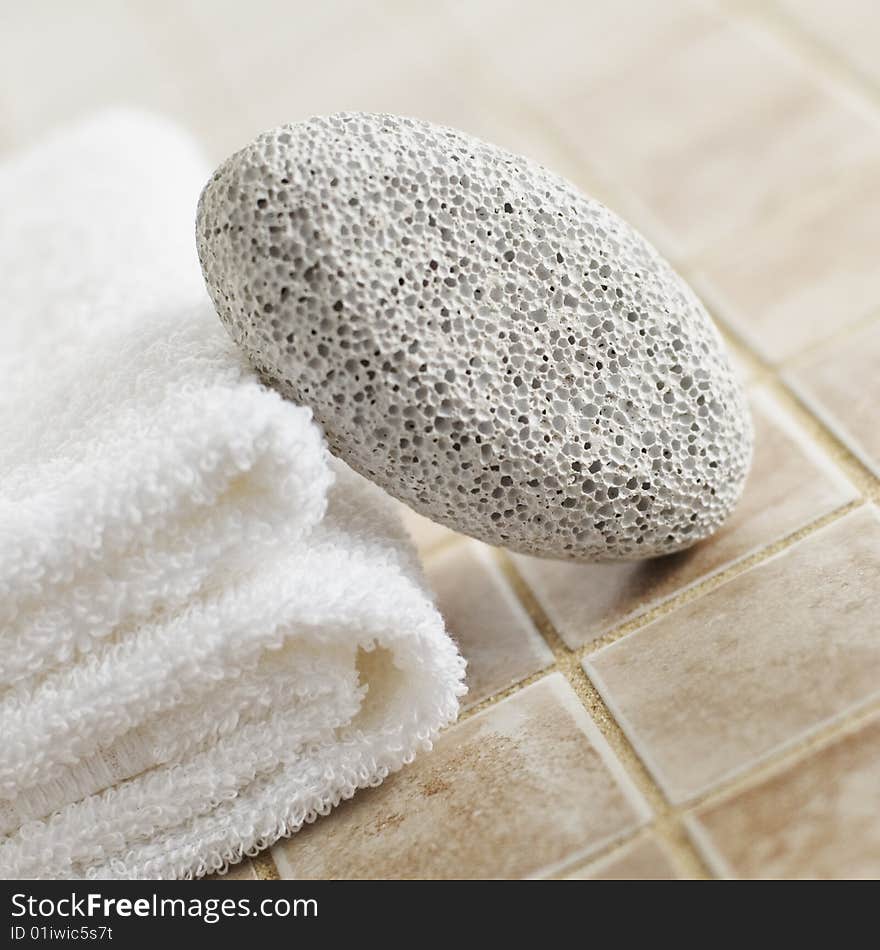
(210, 632)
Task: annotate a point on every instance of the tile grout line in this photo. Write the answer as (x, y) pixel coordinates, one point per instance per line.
(663, 821)
(810, 351)
(800, 750)
(761, 369)
(489, 701)
(667, 821)
(772, 378)
(568, 662)
(711, 582)
(643, 833)
(546, 125)
(264, 866)
(675, 820)
(824, 58)
(686, 265)
(838, 452)
(815, 429)
(437, 547)
(600, 854)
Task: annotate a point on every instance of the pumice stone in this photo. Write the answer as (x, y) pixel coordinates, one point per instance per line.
(502, 353)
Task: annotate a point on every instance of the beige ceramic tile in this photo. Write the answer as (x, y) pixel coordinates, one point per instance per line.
(546, 59)
(817, 819)
(278, 61)
(743, 671)
(803, 275)
(228, 70)
(303, 59)
(377, 63)
(425, 534)
(849, 27)
(841, 384)
(203, 101)
(346, 57)
(261, 32)
(61, 61)
(702, 154)
(552, 53)
(243, 871)
(511, 792)
(790, 485)
(641, 860)
(741, 366)
(483, 616)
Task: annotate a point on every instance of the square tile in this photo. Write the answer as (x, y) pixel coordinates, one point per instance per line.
(841, 384)
(641, 860)
(804, 274)
(704, 155)
(790, 485)
(819, 818)
(849, 27)
(510, 792)
(494, 633)
(756, 664)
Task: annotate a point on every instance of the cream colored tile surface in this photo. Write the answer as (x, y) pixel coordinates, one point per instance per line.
(841, 384)
(745, 139)
(791, 484)
(510, 792)
(346, 56)
(703, 154)
(741, 365)
(490, 626)
(816, 819)
(851, 28)
(67, 61)
(763, 660)
(553, 53)
(806, 273)
(642, 860)
(425, 534)
(229, 70)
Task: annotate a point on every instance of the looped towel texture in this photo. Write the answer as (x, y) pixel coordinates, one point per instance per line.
(210, 631)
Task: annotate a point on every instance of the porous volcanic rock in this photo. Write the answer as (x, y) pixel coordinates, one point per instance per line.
(494, 348)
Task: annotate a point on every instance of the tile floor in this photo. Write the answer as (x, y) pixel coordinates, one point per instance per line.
(814, 818)
(642, 860)
(710, 714)
(486, 620)
(841, 385)
(494, 798)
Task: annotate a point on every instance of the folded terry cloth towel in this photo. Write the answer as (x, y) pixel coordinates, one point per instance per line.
(210, 631)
